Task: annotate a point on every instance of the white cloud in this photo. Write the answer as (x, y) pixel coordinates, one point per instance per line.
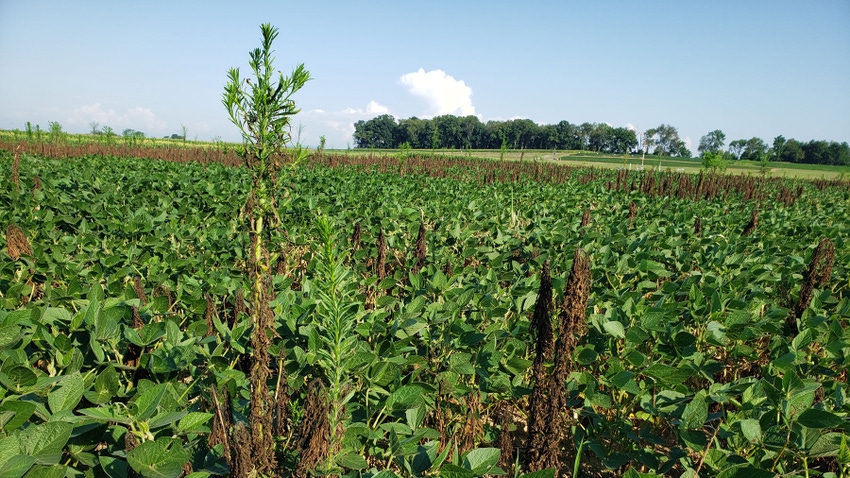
(374, 108)
(445, 94)
(630, 127)
(138, 118)
(336, 126)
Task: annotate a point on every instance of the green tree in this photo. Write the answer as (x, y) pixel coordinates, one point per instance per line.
(664, 140)
(839, 153)
(413, 131)
(496, 134)
(522, 133)
(714, 161)
(378, 132)
(584, 132)
(599, 137)
(567, 136)
(472, 131)
(792, 152)
(621, 141)
(754, 149)
(736, 148)
(435, 136)
(449, 131)
(712, 142)
(778, 146)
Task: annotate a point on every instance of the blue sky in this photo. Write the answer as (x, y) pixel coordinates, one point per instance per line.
(749, 68)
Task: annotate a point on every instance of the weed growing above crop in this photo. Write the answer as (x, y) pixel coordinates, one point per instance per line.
(676, 356)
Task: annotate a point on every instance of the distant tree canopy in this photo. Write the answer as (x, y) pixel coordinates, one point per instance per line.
(790, 151)
(468, 132)
(131, 133)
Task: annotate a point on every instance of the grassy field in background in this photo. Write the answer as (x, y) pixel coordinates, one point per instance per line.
(576, 158)
(589, 158)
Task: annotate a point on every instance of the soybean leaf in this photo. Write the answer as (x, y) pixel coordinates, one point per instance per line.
(68, 394)
(194, 422)
(114, 467)
(10, 447)
(166, 418)
(406, 397)
(696, 412)
(42, 471)
(667, 375)
(108, 414)
(828, 444)
(15, 413)
(751, 429)
(148, 401)
(385, 474)
(106, 324)
(105, 386)
(715, 334)
(481, 460)
(745, 470)
(450, 470)
(352, 461)
(163, 458)
(615, 329)
(814, 418)
(17, 466)
(18, 378)
(547, 473)
(45, 441)
(844, 451)
(9, 334)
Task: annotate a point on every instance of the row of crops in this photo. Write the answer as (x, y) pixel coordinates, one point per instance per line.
(714, 339)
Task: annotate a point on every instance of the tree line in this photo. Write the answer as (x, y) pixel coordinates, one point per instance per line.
(468, 132)
(790, 151)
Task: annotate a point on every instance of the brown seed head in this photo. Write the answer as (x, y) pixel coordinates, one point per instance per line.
(17, 244)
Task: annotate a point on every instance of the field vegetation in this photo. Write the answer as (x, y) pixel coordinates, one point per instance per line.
(262, 311)
(72, 145)
(712, 341)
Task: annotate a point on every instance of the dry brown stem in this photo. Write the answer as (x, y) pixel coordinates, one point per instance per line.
(549, 430)
(17, 244)
(753, 224)
(315, 430)
(381, 265)
(818, 274)
(421, 249)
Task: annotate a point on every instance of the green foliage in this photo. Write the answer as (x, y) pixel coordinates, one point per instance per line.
(712, 142)
(55, 130)
(468, 132)
(685, 369)
(262, 111)
(714, 161)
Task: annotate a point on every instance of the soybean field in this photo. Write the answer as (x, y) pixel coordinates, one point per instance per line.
(429, 317)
